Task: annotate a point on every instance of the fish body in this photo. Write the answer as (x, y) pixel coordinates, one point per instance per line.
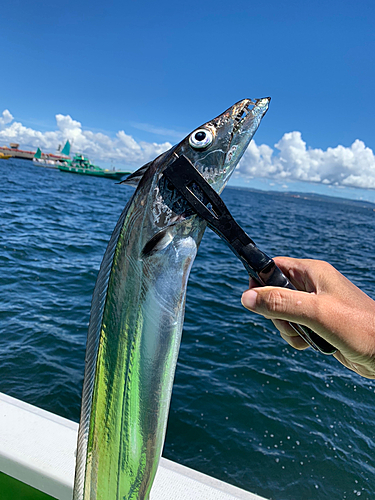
(137, 313)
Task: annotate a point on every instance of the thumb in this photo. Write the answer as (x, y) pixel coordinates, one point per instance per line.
(281, 303)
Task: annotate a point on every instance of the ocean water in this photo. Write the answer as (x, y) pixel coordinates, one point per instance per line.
(246, 408)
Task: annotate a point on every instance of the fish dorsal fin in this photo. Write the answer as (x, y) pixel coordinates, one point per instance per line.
(93, 338)
(134, 178)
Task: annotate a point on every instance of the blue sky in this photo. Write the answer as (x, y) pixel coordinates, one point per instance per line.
(157, 70)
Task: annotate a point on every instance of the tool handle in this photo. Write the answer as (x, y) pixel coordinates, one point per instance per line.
(186, 179)
(265, 272)
(308, 335)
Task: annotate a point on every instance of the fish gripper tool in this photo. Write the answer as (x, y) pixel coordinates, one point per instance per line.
(206, 203)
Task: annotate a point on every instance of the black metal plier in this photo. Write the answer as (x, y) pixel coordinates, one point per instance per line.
(205, 202)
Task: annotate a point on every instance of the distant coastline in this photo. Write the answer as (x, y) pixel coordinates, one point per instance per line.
(309, 196)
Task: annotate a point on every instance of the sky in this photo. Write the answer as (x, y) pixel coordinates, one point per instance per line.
(126, 80)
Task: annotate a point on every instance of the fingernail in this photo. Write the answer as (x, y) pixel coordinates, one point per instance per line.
(249, 299)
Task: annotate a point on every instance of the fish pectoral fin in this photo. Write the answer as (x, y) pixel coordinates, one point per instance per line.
(159, 241)
(134, 178)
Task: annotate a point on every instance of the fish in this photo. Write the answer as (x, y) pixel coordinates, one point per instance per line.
(137, 312)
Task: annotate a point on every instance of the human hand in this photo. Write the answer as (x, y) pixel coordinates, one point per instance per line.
(334, 308)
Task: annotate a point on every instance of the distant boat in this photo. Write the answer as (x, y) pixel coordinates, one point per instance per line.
(50, 160)
(4, 157)
(82, 165)
(14, 152)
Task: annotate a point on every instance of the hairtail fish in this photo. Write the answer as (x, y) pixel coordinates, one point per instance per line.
(137, 313)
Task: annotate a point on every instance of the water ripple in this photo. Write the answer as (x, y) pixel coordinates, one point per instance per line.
(246, 407)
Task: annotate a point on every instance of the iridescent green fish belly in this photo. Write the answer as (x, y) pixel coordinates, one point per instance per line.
(137, 313)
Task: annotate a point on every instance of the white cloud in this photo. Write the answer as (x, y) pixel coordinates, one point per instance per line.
(292, 161)
(122, 149)
(5, 118)
(289, 160)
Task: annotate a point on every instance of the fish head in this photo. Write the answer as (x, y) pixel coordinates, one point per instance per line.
(216, 147)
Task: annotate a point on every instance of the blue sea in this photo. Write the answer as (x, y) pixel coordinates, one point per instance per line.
(246, 407)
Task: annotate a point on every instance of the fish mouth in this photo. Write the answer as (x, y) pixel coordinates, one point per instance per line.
(248, 111)
(246, 117)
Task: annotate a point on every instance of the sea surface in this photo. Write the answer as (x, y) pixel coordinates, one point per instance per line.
(246, 407)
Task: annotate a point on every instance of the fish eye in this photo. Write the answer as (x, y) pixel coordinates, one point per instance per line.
(201, 138)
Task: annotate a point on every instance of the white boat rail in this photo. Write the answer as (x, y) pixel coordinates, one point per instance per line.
(38, 449)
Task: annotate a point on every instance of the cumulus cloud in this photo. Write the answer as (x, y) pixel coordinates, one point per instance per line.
(122, 148)
(5, 118)
(289, 160)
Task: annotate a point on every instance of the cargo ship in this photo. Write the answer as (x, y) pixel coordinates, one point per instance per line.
(14, 152)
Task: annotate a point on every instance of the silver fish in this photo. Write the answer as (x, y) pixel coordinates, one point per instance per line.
(137, 313)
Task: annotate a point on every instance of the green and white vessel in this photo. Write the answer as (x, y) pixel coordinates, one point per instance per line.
(82, 165)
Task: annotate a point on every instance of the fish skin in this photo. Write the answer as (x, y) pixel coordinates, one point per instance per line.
(137, 316)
